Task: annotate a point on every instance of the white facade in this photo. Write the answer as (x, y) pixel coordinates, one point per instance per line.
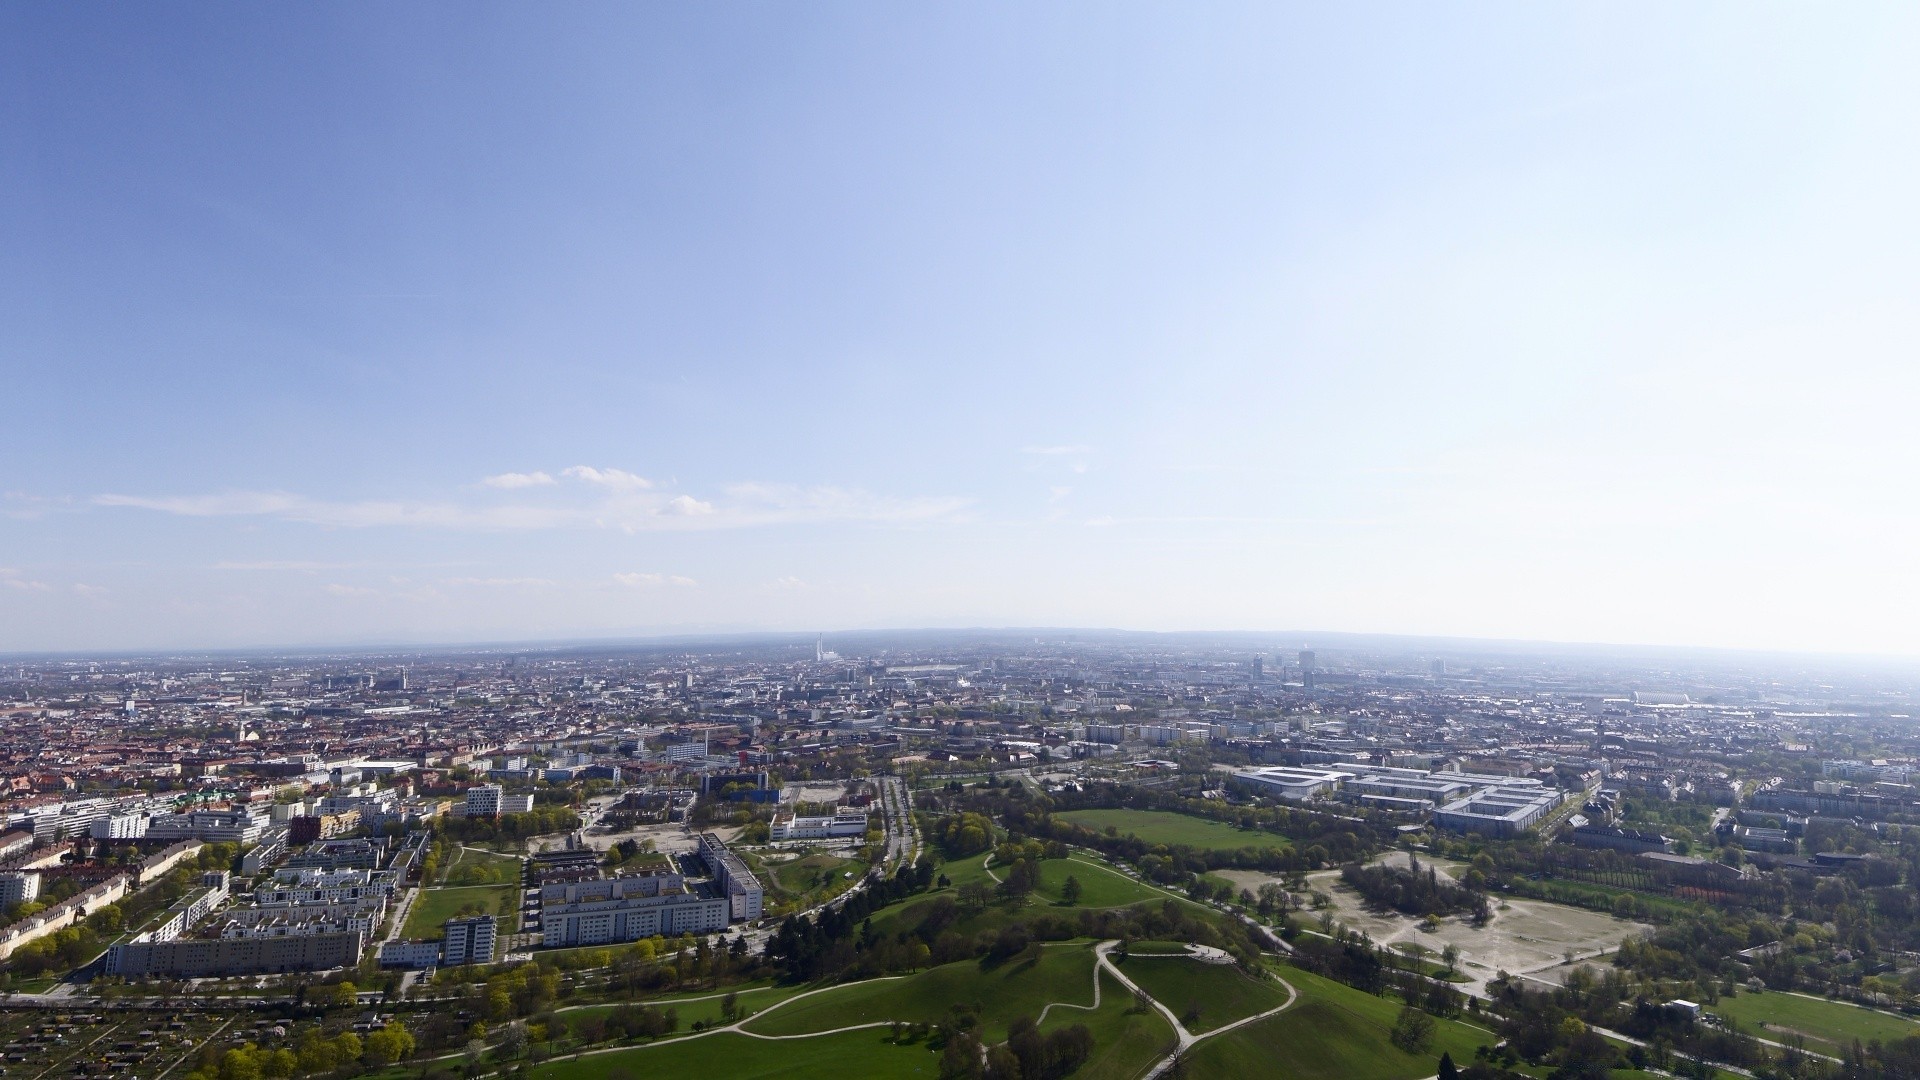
(211, 826)
(18, 888)
(850, 821)
(626, 909)
(120, 827)
(468, 941)
(483, 800)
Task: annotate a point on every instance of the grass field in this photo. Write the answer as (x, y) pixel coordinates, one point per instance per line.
(1016, 988)
(1828, 1026)
(1166, 827)
(436, 906)
(1101, 886)
(822, 1057)
(1333, 1032)
(813, 872)
(700, 1007)
(1125, 1041)
(477, 867)
(1218, 993)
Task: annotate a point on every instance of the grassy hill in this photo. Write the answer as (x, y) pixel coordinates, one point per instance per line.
(1016, 988)
(1221, 993)
(1333, 1032)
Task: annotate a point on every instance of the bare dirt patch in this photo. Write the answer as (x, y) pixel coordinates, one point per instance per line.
(1525, 937)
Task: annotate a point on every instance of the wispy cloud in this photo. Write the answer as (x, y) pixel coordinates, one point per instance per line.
(647, 581)
(284, 564)
(337, 589)
(1074, 450)
(511, 480)
(616, 479)
(14, 579)
(621, 500)
(91, 592)
(502, 582)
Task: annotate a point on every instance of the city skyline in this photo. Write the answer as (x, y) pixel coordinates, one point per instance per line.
(1584, 324)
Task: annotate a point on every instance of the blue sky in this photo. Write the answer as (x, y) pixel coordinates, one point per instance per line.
(359, 323)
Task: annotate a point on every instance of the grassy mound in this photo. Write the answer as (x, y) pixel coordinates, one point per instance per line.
(1217, 994)
(1333, 1032)
(1016, 988)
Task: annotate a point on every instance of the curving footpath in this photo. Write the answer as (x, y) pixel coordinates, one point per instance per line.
(1185, 1038)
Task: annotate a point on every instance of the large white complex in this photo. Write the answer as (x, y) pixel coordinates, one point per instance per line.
(1498, 811)
(211, 826)
(847, 821)
(1292, 784)
(1466, 802)
(626, 909)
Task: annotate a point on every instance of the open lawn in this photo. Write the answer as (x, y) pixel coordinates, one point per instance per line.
(702, 1007)
(814, 872)
(1828, 1026)
(1333, 1032)
(1016, 988)
(1217, 994)
(436, 906)
(1166, 827)
(1125, 1041)
(823, 1057)
(477, 867)
(1101, 886)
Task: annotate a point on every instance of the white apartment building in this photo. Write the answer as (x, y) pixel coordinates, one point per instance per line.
(211, 826)
(483, 800)
(626, 909)
(120, 827)
(468, 941)
(18, 888)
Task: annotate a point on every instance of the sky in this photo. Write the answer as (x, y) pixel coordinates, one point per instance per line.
(360, 323)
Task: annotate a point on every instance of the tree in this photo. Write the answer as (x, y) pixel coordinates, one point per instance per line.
(1448, 1070)
(1070, 890)
(1412, 1031)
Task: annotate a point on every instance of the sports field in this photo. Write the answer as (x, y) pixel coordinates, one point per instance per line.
(1166, 827)
(1828, 1026)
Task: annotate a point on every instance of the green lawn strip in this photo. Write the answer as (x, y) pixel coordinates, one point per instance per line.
(692, 1007)
(1015, 988)
(1333, 1032)
(1828, 1026)
(1167, 827)
(741, 1057)
(436, 906)
(1156, 948)
(1218, 993)
(961, 871)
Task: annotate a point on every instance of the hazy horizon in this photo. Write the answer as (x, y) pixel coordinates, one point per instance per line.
(437, 324)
